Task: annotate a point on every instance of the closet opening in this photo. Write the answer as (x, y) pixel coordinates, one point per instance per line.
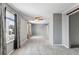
(74, 28)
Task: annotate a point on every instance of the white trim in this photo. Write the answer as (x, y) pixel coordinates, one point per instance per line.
(72, 8)
(57, 44)
(10, 52)
(65, 45)
(9, 41)
(74, 12)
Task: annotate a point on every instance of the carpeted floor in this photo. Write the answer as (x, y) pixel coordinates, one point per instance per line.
(43, 47)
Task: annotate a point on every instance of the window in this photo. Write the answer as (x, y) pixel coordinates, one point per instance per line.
(10, 26)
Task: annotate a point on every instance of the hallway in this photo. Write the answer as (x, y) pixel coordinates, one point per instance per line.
(42, 47)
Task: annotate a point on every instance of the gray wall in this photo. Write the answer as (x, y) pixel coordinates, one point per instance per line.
(39, 29)
(50, 29)
(74, 29)
(8, 47)
(23, 31)
(57, 28)
(65, 30)
(0, 31)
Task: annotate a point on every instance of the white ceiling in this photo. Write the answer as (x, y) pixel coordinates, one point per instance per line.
(42, 9)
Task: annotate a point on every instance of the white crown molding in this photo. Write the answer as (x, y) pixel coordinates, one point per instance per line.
(72, 8)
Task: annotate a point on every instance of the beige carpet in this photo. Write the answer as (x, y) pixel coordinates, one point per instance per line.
(43, 47)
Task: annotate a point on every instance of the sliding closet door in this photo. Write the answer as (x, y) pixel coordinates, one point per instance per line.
(74, 29)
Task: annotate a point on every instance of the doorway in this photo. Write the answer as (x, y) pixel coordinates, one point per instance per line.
(11, 31)
(74, 30)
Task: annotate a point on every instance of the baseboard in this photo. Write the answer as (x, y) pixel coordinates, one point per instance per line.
(65, 45)
(57, 44)
(23, 43)
(61, 45)
(74, 46)
(10, 52)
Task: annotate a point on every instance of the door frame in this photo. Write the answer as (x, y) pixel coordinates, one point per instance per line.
(4, 7)
(15, 40)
